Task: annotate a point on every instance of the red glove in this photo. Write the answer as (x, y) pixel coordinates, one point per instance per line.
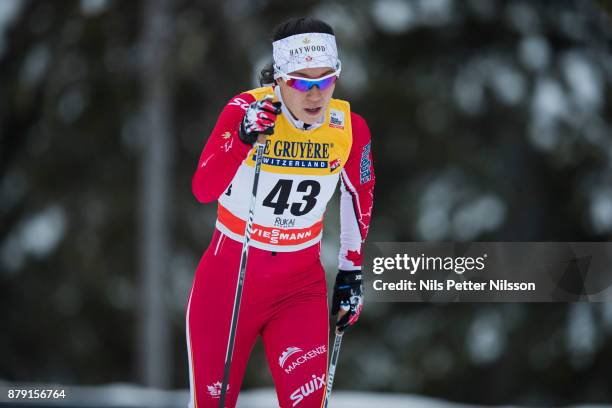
(260, 117)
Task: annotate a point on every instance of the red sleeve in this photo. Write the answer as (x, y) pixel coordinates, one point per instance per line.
(357, 196)
(223, 153)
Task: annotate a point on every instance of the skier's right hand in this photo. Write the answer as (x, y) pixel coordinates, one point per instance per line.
(260, 118)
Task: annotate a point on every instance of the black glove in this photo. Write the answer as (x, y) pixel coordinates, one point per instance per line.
(348, 295)
(260, 117)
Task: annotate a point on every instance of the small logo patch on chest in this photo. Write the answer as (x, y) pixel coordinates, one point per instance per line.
(336, 119)
(334, 164)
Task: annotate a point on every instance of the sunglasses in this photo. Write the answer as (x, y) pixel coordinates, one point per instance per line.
(306, 84)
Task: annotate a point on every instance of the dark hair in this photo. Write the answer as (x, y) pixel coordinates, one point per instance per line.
(293, 26)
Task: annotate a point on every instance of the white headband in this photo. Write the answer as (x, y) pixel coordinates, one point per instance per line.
(308, 50)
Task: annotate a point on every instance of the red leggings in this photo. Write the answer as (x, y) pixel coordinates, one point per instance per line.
(284, 300)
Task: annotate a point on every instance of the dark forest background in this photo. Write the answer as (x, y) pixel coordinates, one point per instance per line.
(491, 121)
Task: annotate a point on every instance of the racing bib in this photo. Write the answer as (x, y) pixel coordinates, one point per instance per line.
(299, 173)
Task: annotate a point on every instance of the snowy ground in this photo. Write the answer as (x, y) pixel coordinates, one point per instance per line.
(132, 396)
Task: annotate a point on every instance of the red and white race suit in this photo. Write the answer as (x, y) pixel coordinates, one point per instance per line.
(284, 295)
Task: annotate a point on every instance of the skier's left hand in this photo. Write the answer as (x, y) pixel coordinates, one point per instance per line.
(347, 299)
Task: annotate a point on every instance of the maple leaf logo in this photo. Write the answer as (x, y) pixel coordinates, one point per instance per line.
(214, 389)
(306, 40)
(354, 257)
(226, 135)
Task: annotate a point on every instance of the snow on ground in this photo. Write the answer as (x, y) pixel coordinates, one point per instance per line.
(349, 399)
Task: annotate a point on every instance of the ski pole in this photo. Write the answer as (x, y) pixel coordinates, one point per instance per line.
(333, 362)
(242, 272)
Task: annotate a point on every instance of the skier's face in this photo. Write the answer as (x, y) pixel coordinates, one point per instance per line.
(310, 105)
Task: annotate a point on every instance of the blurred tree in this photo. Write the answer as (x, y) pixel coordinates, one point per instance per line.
(153, 341)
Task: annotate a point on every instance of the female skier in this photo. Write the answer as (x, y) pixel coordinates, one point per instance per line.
(311, 142)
